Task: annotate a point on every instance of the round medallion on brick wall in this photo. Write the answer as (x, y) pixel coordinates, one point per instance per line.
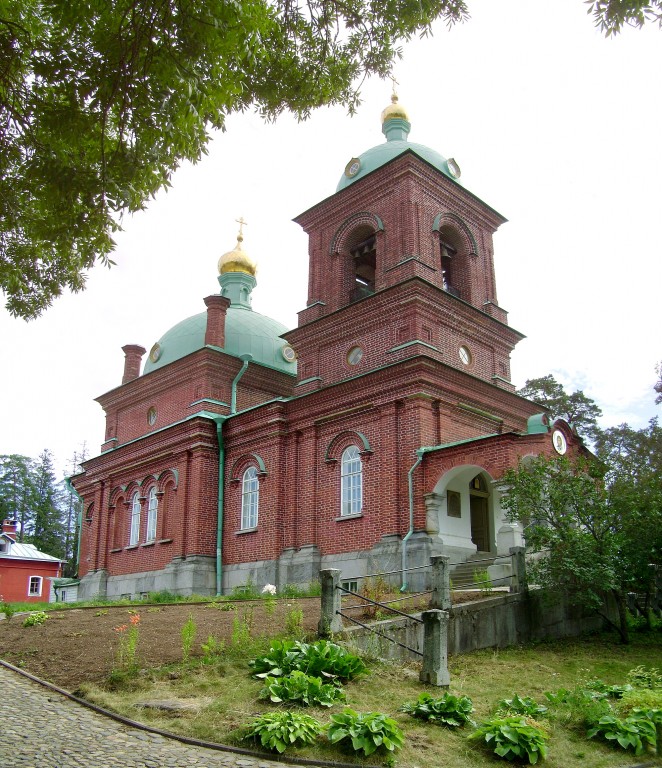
(151, 416)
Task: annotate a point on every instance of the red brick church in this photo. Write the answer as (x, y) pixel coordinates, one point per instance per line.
(371, 435)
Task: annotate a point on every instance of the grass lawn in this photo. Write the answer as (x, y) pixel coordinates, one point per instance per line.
(221, 698)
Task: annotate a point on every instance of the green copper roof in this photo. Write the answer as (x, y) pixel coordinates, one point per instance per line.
(246, 332)
(396, 132)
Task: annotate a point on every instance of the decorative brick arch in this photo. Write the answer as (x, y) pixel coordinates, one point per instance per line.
(116, 495)
(131, 488)
(363, 218)
(461, 228)
(243, 463)
(148, 481)
(169, 477)
(344, 439)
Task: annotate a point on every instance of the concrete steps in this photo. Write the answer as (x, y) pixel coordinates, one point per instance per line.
(463, 574)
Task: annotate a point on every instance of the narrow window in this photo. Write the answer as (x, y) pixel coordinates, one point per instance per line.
(351, 482)
(152, 514)
(34, 589)
(250, 497)
(448, 254)
(134, 534)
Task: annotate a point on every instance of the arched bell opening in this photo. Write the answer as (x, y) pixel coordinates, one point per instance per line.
(362, 247)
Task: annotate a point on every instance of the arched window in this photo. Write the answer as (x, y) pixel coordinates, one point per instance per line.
(250, 498)
(152, 514)
(134, 534)
(351, 482)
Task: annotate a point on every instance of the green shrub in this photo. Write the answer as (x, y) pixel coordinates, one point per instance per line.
(645, 677)
(521, 706)
(294, 622)
(213, 649)
(35, 618)
(446, 710)
(8, 609)
(188, 636)
(164, 596)
(579, 707)
(635, 732)
(279, 730)
(246, 591)
(601, 688)
(300, 688)
(366, 732)
(640, 698)
(483, 581)
(513, 738)
(321, 659)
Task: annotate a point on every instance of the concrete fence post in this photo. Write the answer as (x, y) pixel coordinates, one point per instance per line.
(441, 583)
(330, 621)
(519, 583)
(435, 648)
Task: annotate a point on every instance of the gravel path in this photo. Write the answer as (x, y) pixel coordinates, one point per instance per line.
(44, 729)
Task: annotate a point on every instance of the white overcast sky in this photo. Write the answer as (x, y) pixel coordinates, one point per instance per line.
(553, 125)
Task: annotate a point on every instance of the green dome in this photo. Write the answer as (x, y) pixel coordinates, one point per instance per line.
(246, 333)
(396, 131)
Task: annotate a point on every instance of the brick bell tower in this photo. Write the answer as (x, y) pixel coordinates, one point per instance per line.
(401, 265)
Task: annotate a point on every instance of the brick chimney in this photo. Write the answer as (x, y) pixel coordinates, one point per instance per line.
(9, 528)
(217, 306)
(133, 355)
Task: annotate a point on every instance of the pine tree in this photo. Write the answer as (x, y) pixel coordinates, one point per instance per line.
(48, 531)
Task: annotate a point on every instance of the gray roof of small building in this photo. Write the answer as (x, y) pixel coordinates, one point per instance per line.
(20, 551)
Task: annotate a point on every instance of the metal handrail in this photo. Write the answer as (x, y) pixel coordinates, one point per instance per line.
(388, 602)
(374, 602)
(381, 634)
(390, 573)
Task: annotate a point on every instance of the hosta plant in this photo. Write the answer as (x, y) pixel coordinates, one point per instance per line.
(600, 688)
(519, 705)
(513, 738)
(279, 730)
(322, 659)
(366, 732)
(300, 688)
(636, 732)
(446, 710)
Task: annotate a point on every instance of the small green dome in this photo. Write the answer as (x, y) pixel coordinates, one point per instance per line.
(246, 333)
(396, 129)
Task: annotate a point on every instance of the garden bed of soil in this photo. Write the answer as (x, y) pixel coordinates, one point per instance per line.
(80, 645)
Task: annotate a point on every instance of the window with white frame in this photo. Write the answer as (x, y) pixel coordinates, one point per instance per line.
(250, 498)
(134, 534)
(152, 514)
(34, 587)
(351, 482)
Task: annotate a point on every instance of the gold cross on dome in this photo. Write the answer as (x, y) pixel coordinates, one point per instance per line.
(241, 223)
(394, 82)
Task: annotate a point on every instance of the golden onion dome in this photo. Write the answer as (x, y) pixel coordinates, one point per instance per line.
(394, 110)
(237, 260)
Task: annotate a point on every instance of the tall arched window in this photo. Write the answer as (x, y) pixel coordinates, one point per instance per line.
(250, 498)
(152, 514)
(134, 534)
(351, 482)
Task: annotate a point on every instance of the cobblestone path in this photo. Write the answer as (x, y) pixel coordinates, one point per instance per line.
(43, 729)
